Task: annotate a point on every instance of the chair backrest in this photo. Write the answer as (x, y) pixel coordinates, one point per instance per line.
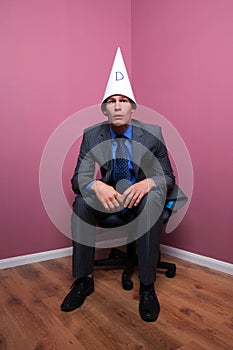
(176, 199)
(166, 214)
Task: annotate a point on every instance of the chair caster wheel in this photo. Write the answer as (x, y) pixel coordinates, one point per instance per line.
(171, 273)
(127, 284)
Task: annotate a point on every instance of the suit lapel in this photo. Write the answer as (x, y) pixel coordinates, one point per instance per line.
(105, 149)
(137, 150)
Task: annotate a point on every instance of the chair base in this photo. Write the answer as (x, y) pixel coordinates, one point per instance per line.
(129, 259)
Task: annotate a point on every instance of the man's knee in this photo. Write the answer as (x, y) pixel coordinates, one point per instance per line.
(82, 211)
(78, 205)
(153, 200)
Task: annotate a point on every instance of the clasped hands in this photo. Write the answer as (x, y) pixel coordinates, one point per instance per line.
(113, 201)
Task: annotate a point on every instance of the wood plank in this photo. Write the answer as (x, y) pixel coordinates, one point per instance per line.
(196, 310)
(192, 346)
(32, 318)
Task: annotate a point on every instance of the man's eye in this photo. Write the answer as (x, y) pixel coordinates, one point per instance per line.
(111, 101)
(124, 101)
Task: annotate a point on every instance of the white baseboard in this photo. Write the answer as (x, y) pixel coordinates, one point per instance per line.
(34, 258)
(198, 259)
(59, 253)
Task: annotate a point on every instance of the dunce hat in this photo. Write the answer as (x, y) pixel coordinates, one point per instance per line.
(118, 82)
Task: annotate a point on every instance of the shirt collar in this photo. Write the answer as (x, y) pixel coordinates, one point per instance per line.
(127, 133)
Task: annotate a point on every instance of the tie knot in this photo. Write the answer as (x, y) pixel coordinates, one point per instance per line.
(121, 136)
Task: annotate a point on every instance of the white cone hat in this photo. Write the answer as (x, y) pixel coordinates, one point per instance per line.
(118, 82)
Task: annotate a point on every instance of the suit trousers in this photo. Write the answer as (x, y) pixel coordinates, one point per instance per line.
(144, 225)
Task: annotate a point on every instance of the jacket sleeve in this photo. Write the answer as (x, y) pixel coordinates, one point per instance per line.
(161, 169)
(85, 168)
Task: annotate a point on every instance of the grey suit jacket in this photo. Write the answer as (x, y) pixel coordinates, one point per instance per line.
(149, 156)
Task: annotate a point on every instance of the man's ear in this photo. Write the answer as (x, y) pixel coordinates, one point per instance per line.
(133, 110)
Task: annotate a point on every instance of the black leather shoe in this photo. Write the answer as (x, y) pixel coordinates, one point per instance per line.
(149, 307)
(80, 289)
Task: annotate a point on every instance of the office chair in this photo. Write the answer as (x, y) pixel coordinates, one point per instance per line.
(129, 259)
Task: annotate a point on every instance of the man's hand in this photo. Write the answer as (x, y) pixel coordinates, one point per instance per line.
(107, 195)
(133, 195)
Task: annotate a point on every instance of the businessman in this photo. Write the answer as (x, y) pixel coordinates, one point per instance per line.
(135, 178)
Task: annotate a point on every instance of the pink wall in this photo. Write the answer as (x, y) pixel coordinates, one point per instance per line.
(182, 68)
(55, 59)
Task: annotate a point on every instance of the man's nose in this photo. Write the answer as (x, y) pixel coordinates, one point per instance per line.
(117, 105)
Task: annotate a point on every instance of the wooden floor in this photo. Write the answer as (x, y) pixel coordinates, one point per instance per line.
(196, 310)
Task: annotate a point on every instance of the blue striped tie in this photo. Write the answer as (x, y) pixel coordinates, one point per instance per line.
(122, 174)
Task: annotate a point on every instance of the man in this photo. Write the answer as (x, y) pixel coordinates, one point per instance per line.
(137, 197)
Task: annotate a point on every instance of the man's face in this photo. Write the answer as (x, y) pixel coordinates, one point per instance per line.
(119, 110)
